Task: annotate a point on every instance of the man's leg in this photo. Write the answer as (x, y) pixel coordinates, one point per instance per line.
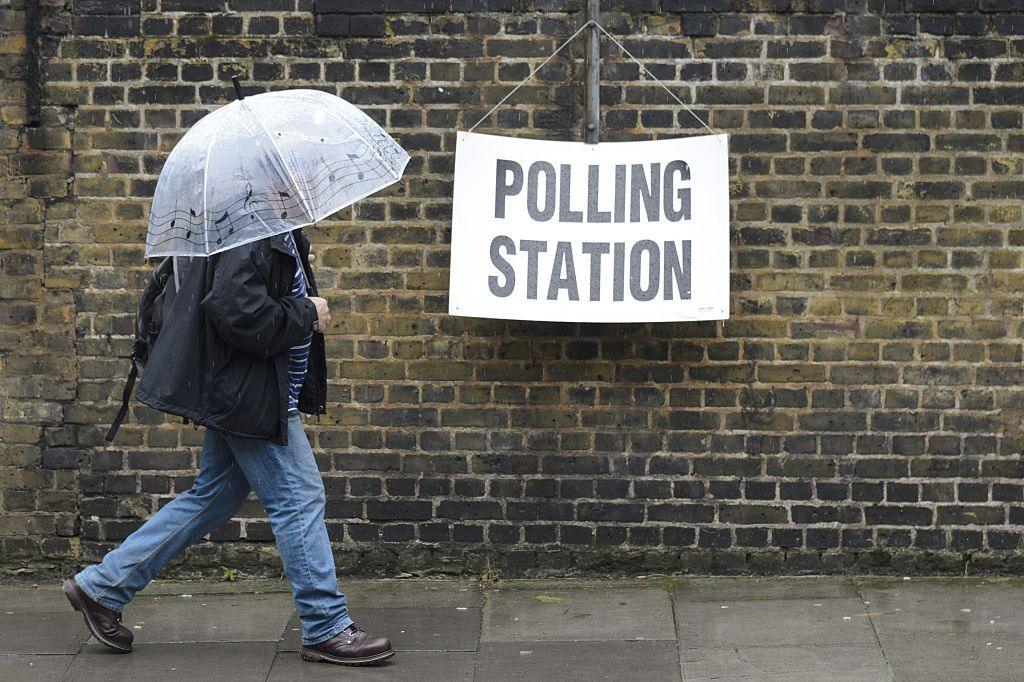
(216, 495)
(287, 481)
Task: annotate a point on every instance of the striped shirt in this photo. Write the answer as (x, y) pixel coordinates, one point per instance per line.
(298, 356)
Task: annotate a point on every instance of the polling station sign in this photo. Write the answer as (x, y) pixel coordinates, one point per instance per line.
(574, 232)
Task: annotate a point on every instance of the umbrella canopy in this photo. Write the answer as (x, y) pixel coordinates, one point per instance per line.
(264, 165)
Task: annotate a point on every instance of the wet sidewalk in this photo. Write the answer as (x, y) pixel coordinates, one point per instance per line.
(641, 629)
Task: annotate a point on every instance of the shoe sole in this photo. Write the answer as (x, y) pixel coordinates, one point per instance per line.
(318, 657)
(71, 591)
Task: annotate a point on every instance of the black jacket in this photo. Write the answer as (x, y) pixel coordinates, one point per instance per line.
(221, 359)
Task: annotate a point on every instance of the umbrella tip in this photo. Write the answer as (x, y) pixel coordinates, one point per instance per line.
(238, 87)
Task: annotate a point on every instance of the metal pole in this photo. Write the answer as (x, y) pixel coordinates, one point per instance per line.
(592, 93)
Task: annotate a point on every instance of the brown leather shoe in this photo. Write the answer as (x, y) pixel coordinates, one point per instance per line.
(351, 646)
(104, 624)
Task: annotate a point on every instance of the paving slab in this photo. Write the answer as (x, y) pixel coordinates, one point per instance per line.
(404, 667)
(26, 599)
(39, 668)
(163, 662)
(743, 589)
(27, 632)
(931, 657)
(965, 607)
(577, 614)
(209, 618)
(585, 661)
(778, 622)
(853, 663)
(410, 628)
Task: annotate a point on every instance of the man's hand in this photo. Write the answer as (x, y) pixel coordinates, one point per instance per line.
(323, 313)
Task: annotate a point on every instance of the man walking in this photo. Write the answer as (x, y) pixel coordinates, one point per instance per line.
(242, 353)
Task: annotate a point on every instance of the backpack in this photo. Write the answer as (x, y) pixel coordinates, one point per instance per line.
(149, 319)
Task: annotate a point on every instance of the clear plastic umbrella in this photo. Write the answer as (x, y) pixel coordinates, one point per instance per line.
(264, 165)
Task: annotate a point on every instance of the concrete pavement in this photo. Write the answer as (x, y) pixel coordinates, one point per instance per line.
(812, 628)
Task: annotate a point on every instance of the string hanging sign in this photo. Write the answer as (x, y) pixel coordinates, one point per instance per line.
(574, 232)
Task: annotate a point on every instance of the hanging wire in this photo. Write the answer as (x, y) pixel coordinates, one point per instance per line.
(656, 79)
(626, 52)
(534, 72)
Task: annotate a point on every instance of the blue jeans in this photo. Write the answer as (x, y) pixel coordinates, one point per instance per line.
(287, 481)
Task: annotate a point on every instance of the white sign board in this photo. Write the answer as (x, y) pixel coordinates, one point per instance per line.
(574, 232)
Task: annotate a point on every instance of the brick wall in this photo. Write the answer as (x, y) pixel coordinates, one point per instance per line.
(860, 411)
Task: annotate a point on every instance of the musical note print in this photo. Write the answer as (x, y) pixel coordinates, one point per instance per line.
(247, 191)
(353, 157)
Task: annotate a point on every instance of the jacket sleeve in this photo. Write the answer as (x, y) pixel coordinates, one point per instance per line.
(242, 311)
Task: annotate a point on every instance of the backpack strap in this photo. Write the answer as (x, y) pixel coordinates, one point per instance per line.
(125, 398)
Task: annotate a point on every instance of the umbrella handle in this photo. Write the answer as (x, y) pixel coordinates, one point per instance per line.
(238, 87)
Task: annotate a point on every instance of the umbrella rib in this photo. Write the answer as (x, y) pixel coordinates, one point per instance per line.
(305, 202)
